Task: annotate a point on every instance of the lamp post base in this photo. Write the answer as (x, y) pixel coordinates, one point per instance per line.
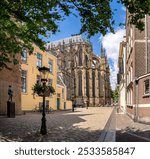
(43, 127)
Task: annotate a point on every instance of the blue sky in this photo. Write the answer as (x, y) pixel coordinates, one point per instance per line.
(71, 25)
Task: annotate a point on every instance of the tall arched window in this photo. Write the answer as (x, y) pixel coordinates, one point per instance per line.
(93, 84)
(80, 84)
(80, 57)
(86, 61)
(99, 83)
(87, 83)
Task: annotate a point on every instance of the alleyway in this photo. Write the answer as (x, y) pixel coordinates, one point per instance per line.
(81, 125)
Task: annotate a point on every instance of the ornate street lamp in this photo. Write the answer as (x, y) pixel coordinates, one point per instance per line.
(44, 72)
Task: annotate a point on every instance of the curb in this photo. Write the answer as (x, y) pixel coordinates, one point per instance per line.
(108, 134)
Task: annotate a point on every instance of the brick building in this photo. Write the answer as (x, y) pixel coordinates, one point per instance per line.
(121, 77)
(10, 77)
(138, 71)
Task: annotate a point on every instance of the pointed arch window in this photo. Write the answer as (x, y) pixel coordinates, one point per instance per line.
(80, 84)
(86, 60)
(80, 57)
(93, 84)
(99, 83)
(87, 83)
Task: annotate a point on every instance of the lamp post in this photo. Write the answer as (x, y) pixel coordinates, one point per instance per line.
(44, 72)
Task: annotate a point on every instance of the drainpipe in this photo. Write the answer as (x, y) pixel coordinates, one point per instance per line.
(125, 77)
(146, 46)
(136, 100)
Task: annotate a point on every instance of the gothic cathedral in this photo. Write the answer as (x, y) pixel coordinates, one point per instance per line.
(86, 75)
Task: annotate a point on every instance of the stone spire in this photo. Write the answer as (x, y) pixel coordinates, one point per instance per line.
(102, 51)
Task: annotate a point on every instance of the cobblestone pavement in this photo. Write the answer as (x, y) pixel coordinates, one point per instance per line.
(126, 126)
(81, 125)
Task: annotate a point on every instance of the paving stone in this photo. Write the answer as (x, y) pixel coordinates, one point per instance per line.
(81, 125)
(125, 124)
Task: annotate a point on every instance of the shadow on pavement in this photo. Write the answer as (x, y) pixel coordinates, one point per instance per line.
(129, 135)
(60, 127)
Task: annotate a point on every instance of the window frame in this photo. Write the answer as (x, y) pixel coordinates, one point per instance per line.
(39, 59)
(63, 93)
(50, 83)
(80, 93)
(50, 65)
(38, 79)
(24, 59)
(148, 90)
(22, 85)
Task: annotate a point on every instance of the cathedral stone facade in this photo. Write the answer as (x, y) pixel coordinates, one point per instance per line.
(85, 74)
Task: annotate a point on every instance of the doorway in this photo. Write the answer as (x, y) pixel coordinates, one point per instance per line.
(58, 101)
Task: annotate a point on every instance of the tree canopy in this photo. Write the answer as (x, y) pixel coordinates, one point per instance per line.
(115, 94)
(137, 9)
(22, 21)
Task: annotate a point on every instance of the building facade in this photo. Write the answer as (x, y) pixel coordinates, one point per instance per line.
(85, 74)
(10, 78)
(121, 77)
(30, 75)
(137, 71)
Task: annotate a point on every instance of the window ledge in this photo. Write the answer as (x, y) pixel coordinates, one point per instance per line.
(129, 106)
(26, 63)
(24, 93)
(146, 95)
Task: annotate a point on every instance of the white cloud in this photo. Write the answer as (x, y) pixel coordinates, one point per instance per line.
(123, 8)
(111, 43)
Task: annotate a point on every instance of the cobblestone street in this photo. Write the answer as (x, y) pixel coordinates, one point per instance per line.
(81, 125)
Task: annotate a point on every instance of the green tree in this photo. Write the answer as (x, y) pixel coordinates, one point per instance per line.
(115, 94)
(22, 21)
(137, 9)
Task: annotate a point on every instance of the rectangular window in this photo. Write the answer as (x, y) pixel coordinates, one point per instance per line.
(50, 66)
(58, 95)
(24, 81)
(39, 60)
(63, 93)
(24, 56)
(50, 83)
(146, 87)
(38, 79)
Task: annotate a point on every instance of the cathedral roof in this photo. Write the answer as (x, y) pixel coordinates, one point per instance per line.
(76, 38)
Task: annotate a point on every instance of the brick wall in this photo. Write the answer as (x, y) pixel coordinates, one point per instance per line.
(139, 59)
(138, 34)
(143, 99)
(148, 27)
(13, 78)
(144, 112)
(130, 110)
